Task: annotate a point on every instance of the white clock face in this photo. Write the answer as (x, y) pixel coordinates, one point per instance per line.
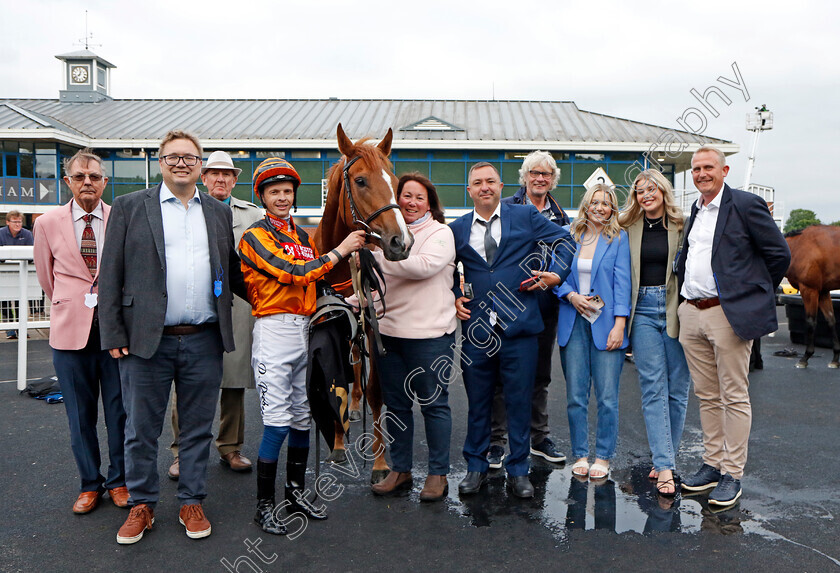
(79, 74)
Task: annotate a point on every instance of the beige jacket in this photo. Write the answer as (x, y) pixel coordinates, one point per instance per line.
(675, 239)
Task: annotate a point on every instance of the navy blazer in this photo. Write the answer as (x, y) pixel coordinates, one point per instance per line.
(132, 272)
(610, 280)
(749, 258)
(496, 286)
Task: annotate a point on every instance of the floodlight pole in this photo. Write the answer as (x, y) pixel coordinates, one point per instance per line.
(757, 122)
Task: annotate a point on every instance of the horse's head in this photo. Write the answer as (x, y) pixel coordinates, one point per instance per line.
(368, 186)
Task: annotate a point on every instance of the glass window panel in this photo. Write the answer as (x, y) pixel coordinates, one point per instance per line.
(309, 195)
(126, 189)
(516, 155)
(563, 194)
(45, 165)
(589, 156)
(154, 173)
(130, 171)
(621, 195)
(11, 146)
(241, 154)
(583, 171)
(510, 177)
(452, 195)
(27, 167)
(565, 174)
(448, 155)
(247, 170)
(619, 172)
(624, 156)
(487, 155)
(448, 172)
(45, 148)
(411, 154)
(560, 156)
(245, 192)
(11, 165)
(306, 154)
(401, 167)
(25, 147)
(310, 172)
(267, 154)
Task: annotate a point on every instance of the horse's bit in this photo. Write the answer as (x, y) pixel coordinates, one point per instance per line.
(354, 211)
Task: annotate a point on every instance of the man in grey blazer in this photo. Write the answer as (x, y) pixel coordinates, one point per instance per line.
(168, 268)
(219, 177)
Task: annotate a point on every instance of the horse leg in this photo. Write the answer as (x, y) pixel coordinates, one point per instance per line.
(827, 308)
(810, 300)
(355, 411)
(374, 398)
(338, 455)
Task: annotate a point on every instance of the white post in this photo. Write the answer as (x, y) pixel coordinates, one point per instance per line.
(23, 319)
(751, 161)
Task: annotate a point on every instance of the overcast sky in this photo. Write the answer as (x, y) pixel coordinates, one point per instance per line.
(635, 60)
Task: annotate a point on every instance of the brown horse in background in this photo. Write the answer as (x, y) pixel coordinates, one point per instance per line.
(815, 271)
(371, 204)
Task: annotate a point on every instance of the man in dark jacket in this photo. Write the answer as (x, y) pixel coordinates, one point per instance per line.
(538, 175)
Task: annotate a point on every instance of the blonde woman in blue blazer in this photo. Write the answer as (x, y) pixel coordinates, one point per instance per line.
(592, 354)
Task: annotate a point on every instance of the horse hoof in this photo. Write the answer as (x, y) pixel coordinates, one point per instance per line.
(377, 476)
(337, 457)
(834, 364)
(802, 365)
(355, 415)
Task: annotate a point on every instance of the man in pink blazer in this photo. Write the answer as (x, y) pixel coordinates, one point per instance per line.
(68, 241)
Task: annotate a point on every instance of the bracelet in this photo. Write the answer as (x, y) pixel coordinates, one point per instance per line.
(570, 295)
(337, 254)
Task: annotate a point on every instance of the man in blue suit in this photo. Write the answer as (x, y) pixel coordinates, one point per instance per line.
(733, 258)
(498, 246)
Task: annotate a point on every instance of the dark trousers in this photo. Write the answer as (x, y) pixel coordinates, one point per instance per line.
(415, 370)
(513, 366)
(546, 349)
(83, 375)
(194, 363)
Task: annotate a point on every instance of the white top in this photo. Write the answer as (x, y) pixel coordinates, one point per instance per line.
(584, 275)
(96, 223)
(699, 277)
(477, 230)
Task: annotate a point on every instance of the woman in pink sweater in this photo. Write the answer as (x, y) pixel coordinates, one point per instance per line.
(418, 333)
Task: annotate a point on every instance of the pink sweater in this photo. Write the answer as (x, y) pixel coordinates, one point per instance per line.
(419, 299)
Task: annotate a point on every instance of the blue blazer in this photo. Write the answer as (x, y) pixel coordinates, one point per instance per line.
(610, 280)
(496, 286)
(749, 258)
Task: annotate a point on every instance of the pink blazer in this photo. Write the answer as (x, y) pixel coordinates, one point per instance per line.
(65, 277)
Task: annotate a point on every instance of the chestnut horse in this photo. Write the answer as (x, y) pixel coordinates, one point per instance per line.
(370, 203)
(815, 271)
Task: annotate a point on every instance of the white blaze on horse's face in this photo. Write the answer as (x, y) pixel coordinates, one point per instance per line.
(397, 213)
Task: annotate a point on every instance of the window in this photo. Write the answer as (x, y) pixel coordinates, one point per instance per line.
(589, 156)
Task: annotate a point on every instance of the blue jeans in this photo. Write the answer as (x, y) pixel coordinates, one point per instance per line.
(416, 370)
(663, 377)
(584, 366)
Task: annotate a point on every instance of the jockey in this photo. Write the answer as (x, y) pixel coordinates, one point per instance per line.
(280, 267)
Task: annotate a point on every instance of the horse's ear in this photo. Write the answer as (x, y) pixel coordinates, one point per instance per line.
(385, 144)
(345, 146)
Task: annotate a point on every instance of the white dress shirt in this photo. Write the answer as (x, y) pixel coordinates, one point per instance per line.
(699, 277)
(189, 278)
(477, 230)
(96, 223)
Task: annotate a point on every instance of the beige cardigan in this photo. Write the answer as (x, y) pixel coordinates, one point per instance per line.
(675, 239)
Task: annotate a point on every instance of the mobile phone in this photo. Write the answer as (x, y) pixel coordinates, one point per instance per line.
(528, 283)
(597, 301)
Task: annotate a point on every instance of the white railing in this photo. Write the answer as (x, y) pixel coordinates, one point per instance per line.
(19, 285)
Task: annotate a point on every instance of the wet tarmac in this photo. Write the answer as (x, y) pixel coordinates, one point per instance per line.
(785, 520)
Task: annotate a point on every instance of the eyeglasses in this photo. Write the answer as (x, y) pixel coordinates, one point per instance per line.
(534, 173)
(172, 160)
(80, 177)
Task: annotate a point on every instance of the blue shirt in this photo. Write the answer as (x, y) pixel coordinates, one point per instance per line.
(189, 279)
(23, 238)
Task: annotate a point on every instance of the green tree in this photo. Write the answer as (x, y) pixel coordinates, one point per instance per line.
(801, 218)
(835, 224)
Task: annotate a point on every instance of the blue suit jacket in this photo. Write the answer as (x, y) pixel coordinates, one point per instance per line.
(496, 286)
(610, 280)
(749, 258)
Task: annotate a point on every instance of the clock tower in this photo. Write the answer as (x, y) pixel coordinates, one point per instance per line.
(87, 77)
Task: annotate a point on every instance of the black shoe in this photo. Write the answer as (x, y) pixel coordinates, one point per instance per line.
(495, 456)
(265, 518)
(520, 486)
(472, 482)
(706, 477)
(546, 449)
(727, 492)
(298, 502)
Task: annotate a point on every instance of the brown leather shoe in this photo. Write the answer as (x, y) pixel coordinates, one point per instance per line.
(174, 470)
(393, 484)
(192, 518)
(119, 495)
(138, 521)
(236, 461)
(435, 488)
(86, 502)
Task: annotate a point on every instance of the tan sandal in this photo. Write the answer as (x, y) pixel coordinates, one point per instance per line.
(581, 468)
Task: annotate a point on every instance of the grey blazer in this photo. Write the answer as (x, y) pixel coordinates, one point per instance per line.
(672, 293)
(132, 272)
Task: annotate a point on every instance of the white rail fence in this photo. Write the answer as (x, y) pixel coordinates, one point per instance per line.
(23, 305)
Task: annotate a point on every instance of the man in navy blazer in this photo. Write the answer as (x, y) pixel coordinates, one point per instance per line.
(498, 246)
(733, 258)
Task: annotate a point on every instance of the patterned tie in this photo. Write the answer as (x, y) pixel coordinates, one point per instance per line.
(88, 249)
(490, 245)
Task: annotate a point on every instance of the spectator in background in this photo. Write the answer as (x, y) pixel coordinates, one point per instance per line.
(13, 234)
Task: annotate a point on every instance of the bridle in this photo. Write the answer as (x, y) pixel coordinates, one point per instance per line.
(354, 211)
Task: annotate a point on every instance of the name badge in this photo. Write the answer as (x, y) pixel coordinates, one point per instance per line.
(91, 299)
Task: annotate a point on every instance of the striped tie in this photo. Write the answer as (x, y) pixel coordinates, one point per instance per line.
(88, 249)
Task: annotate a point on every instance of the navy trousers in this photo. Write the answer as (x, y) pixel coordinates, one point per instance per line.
(84, 375)
(513, 365)
(194, 363)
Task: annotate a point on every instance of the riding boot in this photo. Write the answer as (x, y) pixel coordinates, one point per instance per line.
(295, 478)
(266, 476)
